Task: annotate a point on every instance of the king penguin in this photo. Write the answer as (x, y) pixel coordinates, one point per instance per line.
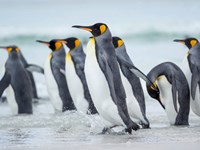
(135, 96)
(103, 78)
(172, 91)
(191, 68)
(17, 82)
(27, 65)
(56, 81)
(75, 75)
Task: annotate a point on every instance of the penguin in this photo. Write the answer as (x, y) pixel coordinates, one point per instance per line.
(172, 91)
(56, 82)
(104, 80)
(17, 82)
(135, 95)
(191, 68)
(28, 66)
(75, 75)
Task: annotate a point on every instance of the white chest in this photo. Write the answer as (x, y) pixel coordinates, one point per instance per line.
(195, 104)
(132, 104)
(166, 97)
(11, 100)
(99, 89)
(75, 86)
(52, 86)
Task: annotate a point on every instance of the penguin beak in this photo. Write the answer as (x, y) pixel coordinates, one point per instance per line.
(43, 42)
(87, 28)
(180, 41)
(3, 47)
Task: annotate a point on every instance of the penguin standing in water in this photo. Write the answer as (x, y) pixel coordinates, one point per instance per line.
(17, 82)
(56, 82)
(28, 66)
(103, 78)
(191, 68)
(172, 91)
(135, 96)
(75, 75)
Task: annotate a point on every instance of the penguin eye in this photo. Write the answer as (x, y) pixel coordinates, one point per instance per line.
(96, 31)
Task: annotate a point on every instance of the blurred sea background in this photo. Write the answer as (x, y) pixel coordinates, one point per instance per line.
(148, 29)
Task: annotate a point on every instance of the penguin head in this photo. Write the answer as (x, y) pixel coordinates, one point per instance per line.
(11, 48)
(96, 29)
(117, 42)
(72, 42)
(154, 92)
(189, 42)
(54, 44)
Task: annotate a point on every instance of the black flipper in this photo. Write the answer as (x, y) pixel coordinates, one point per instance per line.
(35, 68)
(140, 74)
(194, 81)
(174, 95)
(5, 81)
(136, 71)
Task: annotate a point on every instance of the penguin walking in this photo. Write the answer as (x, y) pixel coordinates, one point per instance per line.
(191, 68)
(172, 91)
(56, 82)
(17, 82)
(75, 75)
(103, 78)
(135, 96)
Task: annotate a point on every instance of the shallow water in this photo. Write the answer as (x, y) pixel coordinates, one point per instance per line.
(44, 129)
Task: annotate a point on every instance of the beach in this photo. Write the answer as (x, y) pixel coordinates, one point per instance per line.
(147, 28)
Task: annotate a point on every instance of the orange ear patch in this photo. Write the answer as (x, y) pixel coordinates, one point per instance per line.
(58, 45)
(102, 28)
(193, 42)
(120, 43)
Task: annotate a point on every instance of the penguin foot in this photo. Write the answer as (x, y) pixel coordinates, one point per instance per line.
(106, 130)
(144, 126)
(135, 127)
(129, 130)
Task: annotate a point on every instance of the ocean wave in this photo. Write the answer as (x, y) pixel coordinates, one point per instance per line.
(138, 33)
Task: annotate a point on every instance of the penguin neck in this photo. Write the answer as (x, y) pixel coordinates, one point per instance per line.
(106, 37)
(122, 55)
(25, 63)
(195, 50)
(14, 55)
(155, 74)
(77, 54)
(59, 53)
(78, 51)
